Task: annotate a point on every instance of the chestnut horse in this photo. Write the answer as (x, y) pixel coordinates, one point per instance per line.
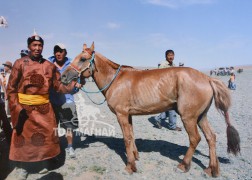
(129, 91)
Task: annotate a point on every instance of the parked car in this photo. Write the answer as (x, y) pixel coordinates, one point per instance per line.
(223, 71)
(240, 70)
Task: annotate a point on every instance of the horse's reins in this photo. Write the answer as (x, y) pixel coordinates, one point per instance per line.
(91, 64)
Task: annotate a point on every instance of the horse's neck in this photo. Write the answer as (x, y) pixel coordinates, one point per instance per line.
(104, 71)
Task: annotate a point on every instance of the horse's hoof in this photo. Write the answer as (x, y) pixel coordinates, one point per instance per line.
(208, 171)
(178, 170)
(130, 169)
(134, 169)
(211, 173)
(183, 167)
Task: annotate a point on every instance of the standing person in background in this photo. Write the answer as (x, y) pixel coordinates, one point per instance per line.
(4, 122)
(1, 84)
(7, 69)
(63, 104)
(34, 137)
(172, 124)
(231, 82)
(2, 78)
(24, 52)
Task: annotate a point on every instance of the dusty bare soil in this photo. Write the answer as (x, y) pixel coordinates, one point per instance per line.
(101, 153)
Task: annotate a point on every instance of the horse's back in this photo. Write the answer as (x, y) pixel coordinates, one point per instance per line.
(160, 88)
(171, 73)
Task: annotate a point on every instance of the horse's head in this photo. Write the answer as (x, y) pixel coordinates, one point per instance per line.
(81, 66)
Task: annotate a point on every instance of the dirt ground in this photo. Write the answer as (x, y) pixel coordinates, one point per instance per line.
(101, 153)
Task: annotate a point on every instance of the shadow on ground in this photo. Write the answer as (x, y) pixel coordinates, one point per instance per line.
(52, 175)
(165, 148)
(152, 120)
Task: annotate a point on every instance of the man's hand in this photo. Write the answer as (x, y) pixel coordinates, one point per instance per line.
(78, 85)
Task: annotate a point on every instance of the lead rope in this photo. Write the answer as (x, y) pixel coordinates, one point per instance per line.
(100, 90)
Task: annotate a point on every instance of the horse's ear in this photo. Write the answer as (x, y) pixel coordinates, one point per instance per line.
(92, 47)
(84, 46)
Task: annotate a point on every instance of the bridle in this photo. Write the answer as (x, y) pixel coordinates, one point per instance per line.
(91, 64)
(91, 67)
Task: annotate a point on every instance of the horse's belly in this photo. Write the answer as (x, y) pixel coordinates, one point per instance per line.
(153, 108)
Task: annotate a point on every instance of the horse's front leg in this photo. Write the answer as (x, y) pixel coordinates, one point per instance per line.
(123, 120)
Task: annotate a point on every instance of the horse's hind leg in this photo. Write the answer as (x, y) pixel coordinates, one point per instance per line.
(213, 169)
(194, 138)
(129, 142)
(135, 151)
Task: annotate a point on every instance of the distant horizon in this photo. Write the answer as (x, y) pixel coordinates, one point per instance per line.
(249, 66)
(245, 66)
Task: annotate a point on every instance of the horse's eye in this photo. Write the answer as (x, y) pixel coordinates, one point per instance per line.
(83, 59)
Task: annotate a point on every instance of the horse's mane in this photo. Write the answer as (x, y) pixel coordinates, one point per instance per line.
(113, 64)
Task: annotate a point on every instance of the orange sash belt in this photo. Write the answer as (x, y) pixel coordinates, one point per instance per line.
(30, 99)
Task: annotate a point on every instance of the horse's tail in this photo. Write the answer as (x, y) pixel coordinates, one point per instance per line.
(222, 100)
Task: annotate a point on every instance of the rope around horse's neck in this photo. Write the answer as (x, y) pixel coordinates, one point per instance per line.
(106, 86)
(95, 102)
(100, 90)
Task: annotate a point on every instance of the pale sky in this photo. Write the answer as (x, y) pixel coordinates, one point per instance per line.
(203, 33)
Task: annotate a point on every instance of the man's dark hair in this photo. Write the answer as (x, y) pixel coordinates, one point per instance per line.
(169, 51)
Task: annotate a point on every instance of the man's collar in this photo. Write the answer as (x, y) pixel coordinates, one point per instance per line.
(39, 59)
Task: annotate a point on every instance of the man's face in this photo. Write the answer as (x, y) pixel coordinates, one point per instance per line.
(60, 55)
(6, 68)
(36, 48)
(170, 57)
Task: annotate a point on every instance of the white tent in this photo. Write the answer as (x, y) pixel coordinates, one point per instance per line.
(3, 22)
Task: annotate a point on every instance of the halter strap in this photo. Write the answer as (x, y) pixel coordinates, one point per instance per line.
(79, 71)
(91, 66)
(75, 68)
